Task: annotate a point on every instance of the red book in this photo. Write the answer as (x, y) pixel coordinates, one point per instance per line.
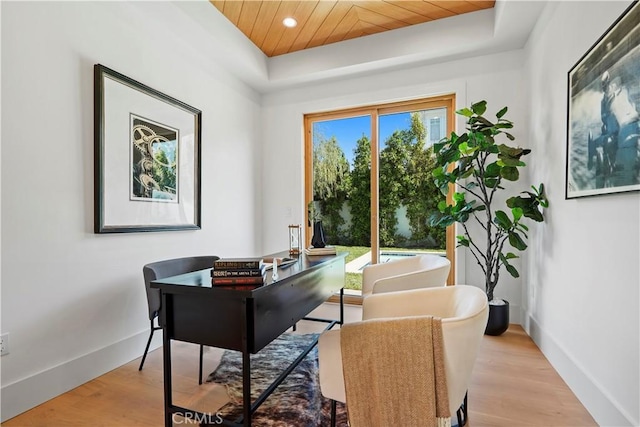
(228, 281)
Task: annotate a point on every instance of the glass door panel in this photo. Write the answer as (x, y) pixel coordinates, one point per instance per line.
(341, 187)
(407, 195)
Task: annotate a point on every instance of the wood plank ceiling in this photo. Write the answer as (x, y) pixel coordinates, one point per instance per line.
(329, 21)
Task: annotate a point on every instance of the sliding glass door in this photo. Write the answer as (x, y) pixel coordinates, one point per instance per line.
(368, 179)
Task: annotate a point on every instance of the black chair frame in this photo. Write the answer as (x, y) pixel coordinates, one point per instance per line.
(160, 270)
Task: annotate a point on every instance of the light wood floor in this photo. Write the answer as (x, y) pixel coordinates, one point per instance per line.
(512, 385)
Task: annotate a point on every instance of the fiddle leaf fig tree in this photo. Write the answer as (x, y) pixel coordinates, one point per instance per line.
(478, 163)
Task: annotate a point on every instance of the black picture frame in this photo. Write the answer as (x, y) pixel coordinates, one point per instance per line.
(146, 158)
(603, 131)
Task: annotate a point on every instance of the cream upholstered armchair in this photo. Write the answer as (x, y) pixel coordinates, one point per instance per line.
(420, 271)
(464, 311)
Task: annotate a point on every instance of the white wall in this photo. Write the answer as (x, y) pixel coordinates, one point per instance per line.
(581, 293)
(496, 78)
(74, 301)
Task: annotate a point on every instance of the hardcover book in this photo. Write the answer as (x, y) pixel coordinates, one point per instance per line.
(228, 281)
(243, 272)
(237, 263)
(327, 250)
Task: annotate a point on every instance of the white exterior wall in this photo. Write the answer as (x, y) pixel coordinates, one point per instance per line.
(73, 301)
(581, 291)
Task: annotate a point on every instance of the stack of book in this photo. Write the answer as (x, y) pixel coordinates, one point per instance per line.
(327, 250)
(238, 272)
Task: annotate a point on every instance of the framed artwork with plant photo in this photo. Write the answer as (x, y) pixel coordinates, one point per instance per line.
(603, 132)
(146, 158)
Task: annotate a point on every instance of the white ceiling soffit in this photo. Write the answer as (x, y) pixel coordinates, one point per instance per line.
(505, 27)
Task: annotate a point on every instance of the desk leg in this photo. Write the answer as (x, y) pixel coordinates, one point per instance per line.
(246, 388)
(166, 358)
(342, 306)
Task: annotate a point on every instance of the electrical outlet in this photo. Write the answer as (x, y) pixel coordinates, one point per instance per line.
(4, 344)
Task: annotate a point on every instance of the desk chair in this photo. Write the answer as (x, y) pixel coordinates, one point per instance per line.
(414, 272)
(464, 311)
(160, 270)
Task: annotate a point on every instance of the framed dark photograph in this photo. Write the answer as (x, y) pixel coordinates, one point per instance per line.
(603, 133)
(147, 157)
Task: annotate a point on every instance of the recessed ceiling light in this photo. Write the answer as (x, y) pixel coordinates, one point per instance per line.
(289, 22)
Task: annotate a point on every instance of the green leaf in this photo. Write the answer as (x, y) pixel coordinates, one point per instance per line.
(492, 170)
(512, 270)
(467, 150)
(491, 182)
(502, 219)
(463, 240)
(467, 173)
(516, 241)
(540, 190)
(437, 147)
(465, 112)
(514, 152)
(502, 112)
(511, 255)
(510, 173)
(440, 220)
(517, 214)
(479, 107)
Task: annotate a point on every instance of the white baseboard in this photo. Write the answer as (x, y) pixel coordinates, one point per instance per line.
(29, 392)
(602, 407)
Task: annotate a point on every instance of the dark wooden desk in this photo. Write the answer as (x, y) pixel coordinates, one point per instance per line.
(245, 320)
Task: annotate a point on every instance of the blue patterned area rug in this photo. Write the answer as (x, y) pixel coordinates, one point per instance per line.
(297, 402)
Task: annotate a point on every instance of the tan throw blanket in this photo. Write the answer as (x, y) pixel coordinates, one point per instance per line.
(394, 373)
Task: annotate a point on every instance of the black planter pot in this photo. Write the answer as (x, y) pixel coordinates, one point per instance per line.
(498, 321)
(318, 241)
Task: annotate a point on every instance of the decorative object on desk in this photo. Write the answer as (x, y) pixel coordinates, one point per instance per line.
(603, 136)
(282, 262)
(146, 158)
(478, 164)
(295, 239)
(274, 270)
(238, 272)
(325, 250)
(318, 240)
(296, 402)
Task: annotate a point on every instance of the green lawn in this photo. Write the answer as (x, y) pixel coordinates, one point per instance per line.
(353, 280)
